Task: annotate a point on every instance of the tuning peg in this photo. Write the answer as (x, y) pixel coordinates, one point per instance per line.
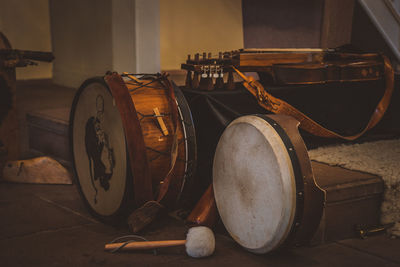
(214, 72)
(204, 70)
(206, 80)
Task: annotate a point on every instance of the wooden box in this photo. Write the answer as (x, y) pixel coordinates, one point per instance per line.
(48, 133)
(352, 198)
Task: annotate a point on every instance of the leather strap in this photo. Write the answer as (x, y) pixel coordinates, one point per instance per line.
(134, 138)
(135, 141)
(279, 106)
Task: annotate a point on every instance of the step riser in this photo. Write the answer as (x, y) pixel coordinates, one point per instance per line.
(49, 136)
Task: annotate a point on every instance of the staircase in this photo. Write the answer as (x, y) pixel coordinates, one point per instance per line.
(385, 15)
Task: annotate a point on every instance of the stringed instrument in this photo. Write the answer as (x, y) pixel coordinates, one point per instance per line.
(283, 67)
(292, 67)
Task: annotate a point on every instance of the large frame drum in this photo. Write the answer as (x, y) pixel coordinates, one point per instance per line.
(263, 183)
(100, 147)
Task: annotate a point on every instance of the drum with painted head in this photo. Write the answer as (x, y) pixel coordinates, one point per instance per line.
(263, 183)
(105, 155)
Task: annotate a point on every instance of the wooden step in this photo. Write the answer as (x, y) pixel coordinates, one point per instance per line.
(48, 133)
(352, 198)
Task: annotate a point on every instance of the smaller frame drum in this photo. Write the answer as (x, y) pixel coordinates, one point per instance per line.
(258, 182)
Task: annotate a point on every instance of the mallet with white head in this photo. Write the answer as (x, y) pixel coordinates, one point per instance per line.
(200, 242)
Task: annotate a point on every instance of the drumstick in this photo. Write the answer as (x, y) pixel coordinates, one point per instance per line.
(145, 245)
(200, 242)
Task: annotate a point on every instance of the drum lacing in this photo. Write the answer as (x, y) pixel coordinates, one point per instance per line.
(128, 241)
(145, 84)
(165, 153)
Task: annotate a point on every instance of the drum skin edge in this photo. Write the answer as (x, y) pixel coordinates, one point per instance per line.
(191, 145)
(313, 196)
(127, 202)
(309, 198)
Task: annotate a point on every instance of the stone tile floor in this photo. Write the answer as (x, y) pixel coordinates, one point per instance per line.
(47, 225)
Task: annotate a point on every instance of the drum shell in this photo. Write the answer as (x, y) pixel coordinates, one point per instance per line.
(158, 146)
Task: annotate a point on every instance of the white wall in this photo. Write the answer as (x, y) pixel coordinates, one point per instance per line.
(192, 26)
(147, 22)
(91, 37)
(81, 38)
(26, 24)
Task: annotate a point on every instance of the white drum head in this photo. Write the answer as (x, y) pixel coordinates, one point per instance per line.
(254, 184)
(99, 148)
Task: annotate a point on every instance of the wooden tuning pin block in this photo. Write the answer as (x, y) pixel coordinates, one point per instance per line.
(195, 80)
(188, 81)
(230, 85)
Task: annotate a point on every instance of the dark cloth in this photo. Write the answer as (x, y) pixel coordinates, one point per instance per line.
(342, 107)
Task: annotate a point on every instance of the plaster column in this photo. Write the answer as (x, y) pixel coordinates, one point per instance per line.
(93, 36)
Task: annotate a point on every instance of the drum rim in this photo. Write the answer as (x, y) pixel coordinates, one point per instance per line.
(127, 204)
(190, 144)
(298, 182)
(298, 176)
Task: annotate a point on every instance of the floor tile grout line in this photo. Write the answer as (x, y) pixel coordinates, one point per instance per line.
(367, 252)
(46, 231)
(66, 208)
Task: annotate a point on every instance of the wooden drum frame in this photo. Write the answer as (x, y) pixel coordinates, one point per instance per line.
(122, 134)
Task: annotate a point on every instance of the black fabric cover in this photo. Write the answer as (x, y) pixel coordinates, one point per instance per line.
(342, 107)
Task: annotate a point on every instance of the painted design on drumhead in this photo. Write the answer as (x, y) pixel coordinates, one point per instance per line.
(98, 149)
